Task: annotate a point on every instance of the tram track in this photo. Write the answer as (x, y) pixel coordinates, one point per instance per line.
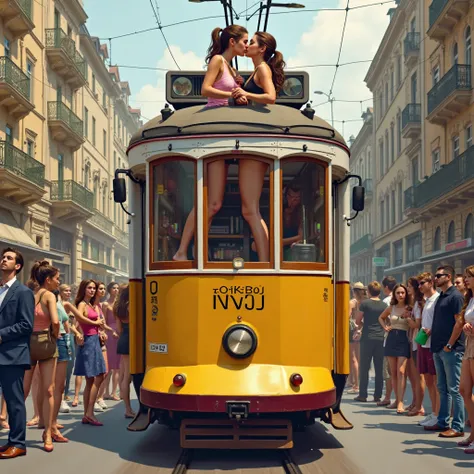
(187, 455)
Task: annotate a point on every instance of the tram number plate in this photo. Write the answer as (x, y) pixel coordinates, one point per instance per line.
(159, 348)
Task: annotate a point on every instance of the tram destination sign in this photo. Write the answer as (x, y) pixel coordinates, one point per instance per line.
(380, 261)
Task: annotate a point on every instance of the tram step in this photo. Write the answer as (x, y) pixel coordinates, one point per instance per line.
(233, 434)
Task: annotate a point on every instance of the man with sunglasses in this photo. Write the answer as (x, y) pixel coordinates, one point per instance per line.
(447, 346)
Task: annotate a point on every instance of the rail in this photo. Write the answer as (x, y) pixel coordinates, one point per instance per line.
(20, 163)
(14, 76)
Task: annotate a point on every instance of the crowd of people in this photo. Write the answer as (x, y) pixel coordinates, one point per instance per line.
(421, 331)
(45, 339)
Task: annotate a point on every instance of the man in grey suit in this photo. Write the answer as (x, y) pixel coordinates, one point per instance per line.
(17, 306)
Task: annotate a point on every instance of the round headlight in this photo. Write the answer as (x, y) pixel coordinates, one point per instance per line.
(292, 87)
(240, 341)
(182, 86)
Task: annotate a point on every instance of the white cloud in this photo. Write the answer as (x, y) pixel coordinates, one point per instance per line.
(320, 45)
(151, 98)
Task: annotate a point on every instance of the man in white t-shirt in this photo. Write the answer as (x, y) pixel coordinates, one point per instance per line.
(388, 284)
(426, 365)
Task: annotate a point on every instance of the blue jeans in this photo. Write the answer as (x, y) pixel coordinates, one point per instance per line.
(448, 372)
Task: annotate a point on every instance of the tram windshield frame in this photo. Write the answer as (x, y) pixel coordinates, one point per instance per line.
(181, 170)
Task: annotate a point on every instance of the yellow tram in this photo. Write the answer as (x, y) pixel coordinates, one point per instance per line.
(245, 338)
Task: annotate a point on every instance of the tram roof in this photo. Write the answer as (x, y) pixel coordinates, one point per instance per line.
(269, 119)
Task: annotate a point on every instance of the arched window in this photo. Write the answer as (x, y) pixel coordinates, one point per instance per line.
(469, 227)
(467, 45)
(455, 53)
(451, 230)
(437, 239)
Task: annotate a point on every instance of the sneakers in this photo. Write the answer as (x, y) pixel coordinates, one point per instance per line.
(102, 404)
(429, 420)
(65, 408)
(98, 408)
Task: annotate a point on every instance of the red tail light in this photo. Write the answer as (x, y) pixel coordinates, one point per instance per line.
(296, 380)
(179, 380)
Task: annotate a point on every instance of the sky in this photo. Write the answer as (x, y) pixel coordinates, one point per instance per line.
(307, 38)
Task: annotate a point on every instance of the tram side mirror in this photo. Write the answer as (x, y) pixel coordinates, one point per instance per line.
(120, 190)
(358, 198)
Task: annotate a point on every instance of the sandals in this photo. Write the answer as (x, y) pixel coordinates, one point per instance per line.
(4, 424)
(48, 445)
(393, 406)
(130, 415)
(416, 413)
(469, 451)
(59, 438)
(465, 442)
(33, 422)
(401, 412)
(383, 403)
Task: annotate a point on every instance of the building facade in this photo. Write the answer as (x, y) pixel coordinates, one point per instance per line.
(395, 78)
(444, 199)
(59, 106)
(362, 164)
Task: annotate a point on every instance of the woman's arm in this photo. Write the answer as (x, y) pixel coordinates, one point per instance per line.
(210, 78)
(51, 305)
(264, 75)
(79, 314)
(383, 317)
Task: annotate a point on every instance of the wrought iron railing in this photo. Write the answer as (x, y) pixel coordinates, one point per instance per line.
(364, 243)
(102, 221)
(18, 162)
(26, 7)
(436, 7)
(57, 38)
(69, 190)
(14, 76)
(457, 78)
(409, 197)
(411, 114)
(449, 177)
(60, 111)
(122, 236)
(412, 43)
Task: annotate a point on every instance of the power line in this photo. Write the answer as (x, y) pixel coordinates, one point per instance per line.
(340, 47)
(157, 17)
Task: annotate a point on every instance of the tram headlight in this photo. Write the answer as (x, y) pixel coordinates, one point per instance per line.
(182, 86)
(240, 341)
(292, 87)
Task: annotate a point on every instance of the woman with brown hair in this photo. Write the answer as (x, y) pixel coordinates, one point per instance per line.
(466, 321)
(219, 82)
(43, 347)
(397, 346)
(89, 360)
(123, 347)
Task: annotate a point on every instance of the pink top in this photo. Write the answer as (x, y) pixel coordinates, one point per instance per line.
(226, 83)
(88, 329)
(42, 321)
(110, 319)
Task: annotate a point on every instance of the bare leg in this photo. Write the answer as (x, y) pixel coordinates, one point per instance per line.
(115, 382)
(60, 383)
(401, 381)
(77, 389)
(104, 386)
(48, 373)
(355, 353)
(433, 392)
(251, 176)
(94, 391)
(3, 415)
(30, 383)
(216, 179)
(466, 386)
(125, 385)
(394, 377)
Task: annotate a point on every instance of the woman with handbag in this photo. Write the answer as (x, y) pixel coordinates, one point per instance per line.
(90, 362)
(43, 347)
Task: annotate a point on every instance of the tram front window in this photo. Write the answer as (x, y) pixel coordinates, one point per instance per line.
(173, 189)
(304, 205)
(238, 211)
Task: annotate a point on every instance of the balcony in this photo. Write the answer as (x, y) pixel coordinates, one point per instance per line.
(411, 121)
(362, 245)
(21, 176)
(444, 14)
(369, 188)
(17, 16)
(451, 95)
(102, 222)
(14, 89)
(449, 187)
(64, 58)
(65, 125)
(71, 201)
(411, 49)
(121, 236)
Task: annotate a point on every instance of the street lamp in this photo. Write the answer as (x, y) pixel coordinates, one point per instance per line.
(331, 100)
(267, 8)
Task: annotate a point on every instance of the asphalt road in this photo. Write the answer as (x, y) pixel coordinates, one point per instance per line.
(381, 441)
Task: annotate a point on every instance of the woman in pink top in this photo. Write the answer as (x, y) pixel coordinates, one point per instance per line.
(90, 362)
(219, 82)
(46, 322)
